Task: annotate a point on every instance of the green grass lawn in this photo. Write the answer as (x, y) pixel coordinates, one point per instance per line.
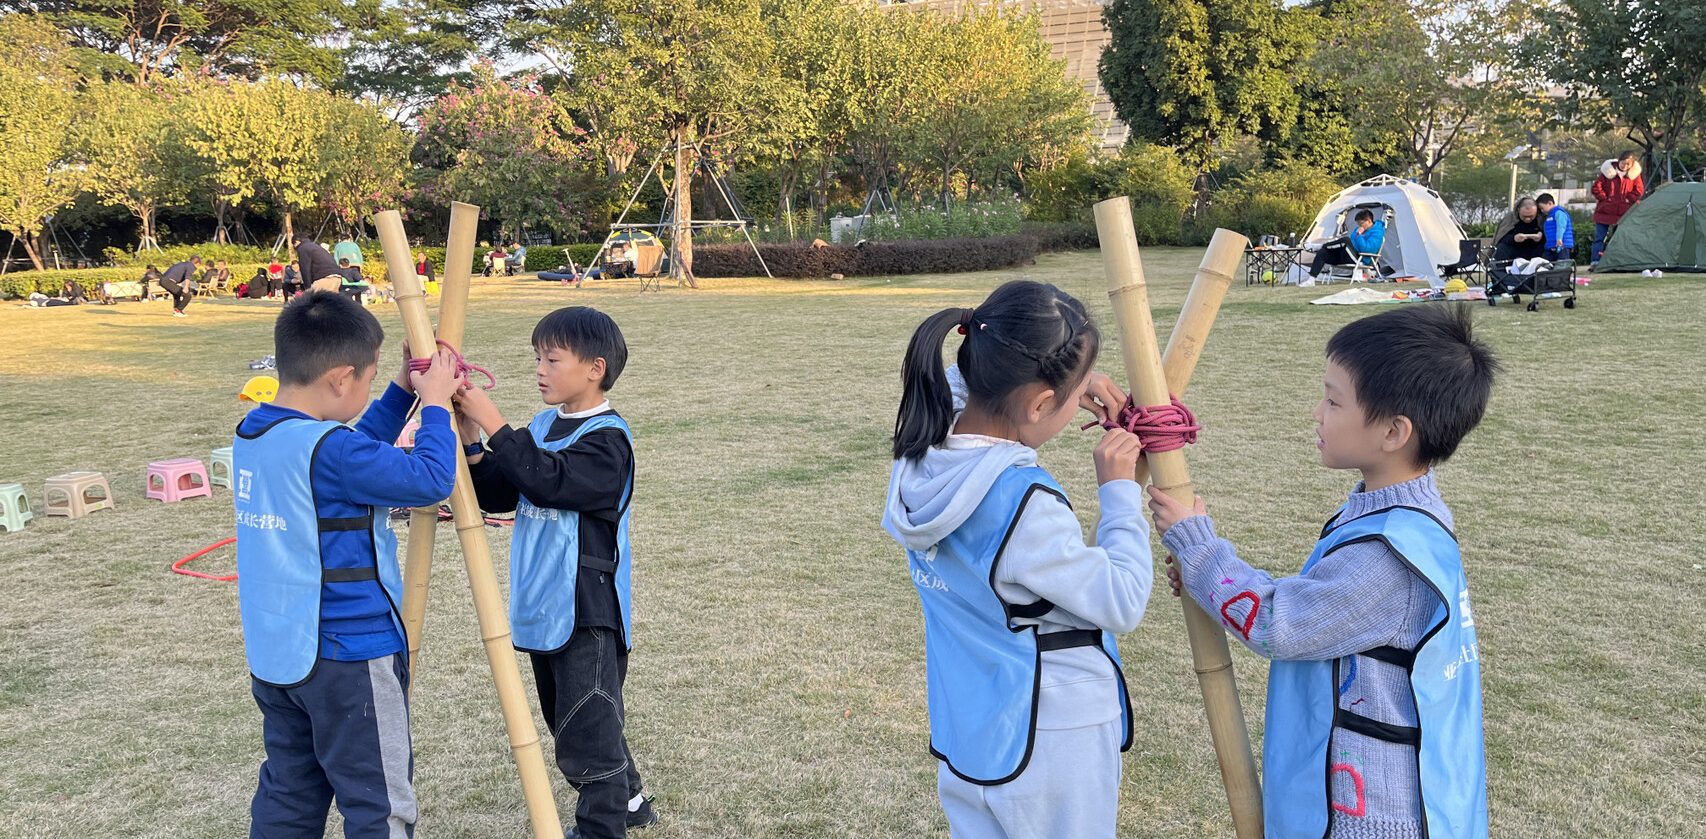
(777, 683)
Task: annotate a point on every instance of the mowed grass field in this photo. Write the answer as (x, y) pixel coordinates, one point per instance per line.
(777, 683)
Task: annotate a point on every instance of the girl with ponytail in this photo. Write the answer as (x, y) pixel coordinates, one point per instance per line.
(1028, 706)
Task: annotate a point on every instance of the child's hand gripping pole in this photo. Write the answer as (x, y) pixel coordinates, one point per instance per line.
(1211, 658)
(452, 316)
(477, 555)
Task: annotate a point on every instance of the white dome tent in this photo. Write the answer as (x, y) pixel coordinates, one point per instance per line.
(1421, 236)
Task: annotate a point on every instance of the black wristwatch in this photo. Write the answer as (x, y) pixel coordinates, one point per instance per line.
(473, 448)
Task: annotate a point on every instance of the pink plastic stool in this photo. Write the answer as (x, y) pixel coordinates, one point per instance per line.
(177, 479)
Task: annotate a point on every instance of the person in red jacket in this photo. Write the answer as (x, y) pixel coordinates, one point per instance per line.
(1618, 187)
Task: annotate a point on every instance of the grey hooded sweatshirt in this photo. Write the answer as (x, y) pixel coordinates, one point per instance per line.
(1102, 587)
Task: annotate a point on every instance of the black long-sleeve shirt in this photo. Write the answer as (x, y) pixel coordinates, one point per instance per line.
(591, 478)
(317, 263)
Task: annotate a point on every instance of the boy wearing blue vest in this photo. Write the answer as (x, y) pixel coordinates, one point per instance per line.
(1374, 694)
(317, 576)
(569, 477)
(1559, 229)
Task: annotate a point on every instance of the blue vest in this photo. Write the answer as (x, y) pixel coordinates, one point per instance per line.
(1445, 680)
(279, 566)
(984, 670)
(544, 555)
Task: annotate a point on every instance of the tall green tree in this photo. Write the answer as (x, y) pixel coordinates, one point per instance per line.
(987, 98)
(701, 73)
(263, 140)
(1440, 74)
(247, 38)
(364, 160)
(133, 139)
(1637, 64)
(41, 163)
(406, 52)
(1195, 74)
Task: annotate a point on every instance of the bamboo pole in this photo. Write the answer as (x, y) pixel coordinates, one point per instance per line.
(1209, 654)
(423, 521)
(1202, 304)
(477, 556)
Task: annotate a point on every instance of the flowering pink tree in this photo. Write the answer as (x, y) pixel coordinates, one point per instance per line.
(502, 144)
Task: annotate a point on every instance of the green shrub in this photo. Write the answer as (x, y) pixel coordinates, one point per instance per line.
(967, 220)
(208, 252)
(1159, 185)
(914, 256)
(1279, 201)
(1063, 236)
(19, 284)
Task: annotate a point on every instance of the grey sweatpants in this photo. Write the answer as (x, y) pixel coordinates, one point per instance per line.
(1071, 788)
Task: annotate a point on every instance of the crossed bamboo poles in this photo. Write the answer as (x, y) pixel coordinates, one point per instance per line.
(470, 526)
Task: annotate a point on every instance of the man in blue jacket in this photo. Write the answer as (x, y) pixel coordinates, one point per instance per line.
(1559, 229)
(1361, 243)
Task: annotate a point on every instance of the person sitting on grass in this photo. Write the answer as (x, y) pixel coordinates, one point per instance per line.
(1362, 242)
(1374, 722)
(317, 572)
(569, 477)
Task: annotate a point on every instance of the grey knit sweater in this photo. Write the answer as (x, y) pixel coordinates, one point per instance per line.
(1357, 598)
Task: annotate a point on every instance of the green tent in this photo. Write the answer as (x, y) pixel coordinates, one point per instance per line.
(1666, 230)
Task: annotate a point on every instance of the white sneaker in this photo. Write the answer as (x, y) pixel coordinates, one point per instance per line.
(178, 314)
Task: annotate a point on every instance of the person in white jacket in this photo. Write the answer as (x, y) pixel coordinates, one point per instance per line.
(1028, 707)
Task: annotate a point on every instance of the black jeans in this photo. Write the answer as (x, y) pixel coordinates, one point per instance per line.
(180, 296)
(1336, 252)
(580, 694)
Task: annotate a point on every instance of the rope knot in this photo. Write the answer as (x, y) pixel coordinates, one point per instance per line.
(463, 366)
(1160, 428)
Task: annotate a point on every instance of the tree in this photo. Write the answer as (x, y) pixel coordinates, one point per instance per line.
(1439, 74)
(406, 52)
(988, 97)
(41, 168)
(245, 38)
(263, 140)
(1640, 64)
(364, 160)
(1196, 73)
(499, 143)
(134, 145)
(699, 72)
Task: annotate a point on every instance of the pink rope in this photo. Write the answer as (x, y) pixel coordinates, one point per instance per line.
(1160, 428)
(463, 366)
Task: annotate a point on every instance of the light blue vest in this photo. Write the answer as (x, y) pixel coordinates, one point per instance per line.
(984, 670)
(544, 555)
(279, 567)
(1445, 679)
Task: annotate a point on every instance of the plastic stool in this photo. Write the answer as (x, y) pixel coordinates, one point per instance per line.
(219, 467)
(14, 507)
(177, 479)
(77, 494)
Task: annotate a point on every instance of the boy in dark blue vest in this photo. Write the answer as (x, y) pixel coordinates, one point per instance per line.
(569, 477)
(1374, 694)
(317, 577)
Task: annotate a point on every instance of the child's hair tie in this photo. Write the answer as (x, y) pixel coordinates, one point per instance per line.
(965, 319)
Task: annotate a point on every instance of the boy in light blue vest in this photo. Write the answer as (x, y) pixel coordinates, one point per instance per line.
(317, 577)
(569, 477)
(1374, 694)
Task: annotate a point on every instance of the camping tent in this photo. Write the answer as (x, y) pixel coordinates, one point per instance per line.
(1421, 236)
(1667, 230)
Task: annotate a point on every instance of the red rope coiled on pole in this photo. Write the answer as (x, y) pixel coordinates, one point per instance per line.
(463, 366)
(1160, 428)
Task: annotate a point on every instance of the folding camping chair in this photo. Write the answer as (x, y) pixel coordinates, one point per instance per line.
(1362, 264)
(1469, 264)
(647, 261)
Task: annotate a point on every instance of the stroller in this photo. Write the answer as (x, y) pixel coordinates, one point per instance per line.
(1558, 280)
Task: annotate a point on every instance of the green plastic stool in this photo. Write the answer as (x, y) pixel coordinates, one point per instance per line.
(14, 507)
(219, 467)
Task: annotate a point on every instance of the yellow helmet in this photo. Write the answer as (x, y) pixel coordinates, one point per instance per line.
(1455, 286)
(258, 389)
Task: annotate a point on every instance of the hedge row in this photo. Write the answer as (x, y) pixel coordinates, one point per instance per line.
(869, 259)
